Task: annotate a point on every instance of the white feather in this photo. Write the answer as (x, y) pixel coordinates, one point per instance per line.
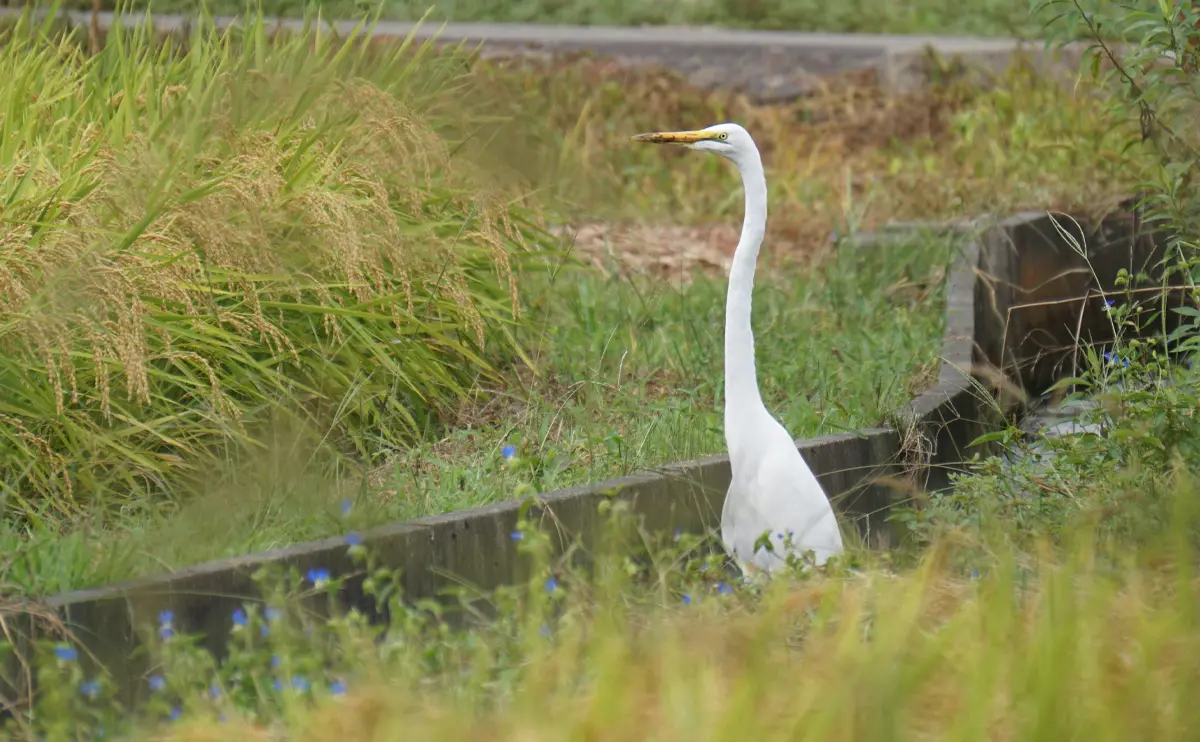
(772, 490)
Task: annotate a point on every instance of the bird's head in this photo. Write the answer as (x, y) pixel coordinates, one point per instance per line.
(728, 140)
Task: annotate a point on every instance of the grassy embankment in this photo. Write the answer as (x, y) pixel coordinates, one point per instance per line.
(235, 301)
(1006, 638)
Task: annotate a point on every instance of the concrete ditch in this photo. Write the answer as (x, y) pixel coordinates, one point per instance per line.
(1004, 315)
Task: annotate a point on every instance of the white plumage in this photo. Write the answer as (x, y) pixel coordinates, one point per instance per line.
(772, 490)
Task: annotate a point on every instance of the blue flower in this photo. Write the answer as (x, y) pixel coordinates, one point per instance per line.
(214, 690)
(264, 630)
(278, 684)
(353, 539)
(338, 688)
(300, 683)
(516, 535)
(176, 712)
(165, 632)
(687, 599)
(508, 452)
(239, 617)
(66, 653)
(345, 507)
(551, 584)
(318, 576)
(166, 617)
(1112, 357)
(275, 661)
(724, 589)
(157, 683)
(272, 614)
(89, 688)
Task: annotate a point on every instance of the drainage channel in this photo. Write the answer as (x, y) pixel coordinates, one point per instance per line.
(1017, 305)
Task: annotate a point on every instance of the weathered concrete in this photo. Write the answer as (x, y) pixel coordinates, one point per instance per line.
(1056, 298)
(767, 65)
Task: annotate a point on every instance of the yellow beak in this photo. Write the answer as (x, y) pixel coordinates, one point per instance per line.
(676, 137)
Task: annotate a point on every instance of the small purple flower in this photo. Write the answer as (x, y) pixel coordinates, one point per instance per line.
(508, 452)
(724, 589)
(275, 662)
(1108, 305)
(687, 599)
(214, 690)
(551, 584)
(176, 712)
(338, 688)
(345, 507)
(278, 684)
(66, 653)
(264, 630)
(165, 632)
(239, 617)
(166, 617)
(89, 688)
(300, 683)
(157, 683)
(353, 539)
(516, 535)
(318, 576)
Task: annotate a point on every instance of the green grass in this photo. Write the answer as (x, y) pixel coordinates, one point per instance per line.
(215, 316)
(943, 17)
(628, 376)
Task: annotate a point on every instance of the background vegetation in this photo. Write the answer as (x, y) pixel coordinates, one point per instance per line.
(943, 17)
(234, 299)
(1056, 591)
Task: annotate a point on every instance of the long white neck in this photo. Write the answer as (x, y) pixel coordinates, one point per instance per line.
(741, 385)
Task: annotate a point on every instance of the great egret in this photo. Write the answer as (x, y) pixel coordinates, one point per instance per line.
(772, 491)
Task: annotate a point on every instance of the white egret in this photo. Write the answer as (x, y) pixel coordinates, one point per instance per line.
(772, 490)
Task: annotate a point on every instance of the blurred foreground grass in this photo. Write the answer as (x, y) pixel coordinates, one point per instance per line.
(1091, 639)
(233, 298)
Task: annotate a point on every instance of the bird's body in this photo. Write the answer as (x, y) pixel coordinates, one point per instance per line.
(772, 490)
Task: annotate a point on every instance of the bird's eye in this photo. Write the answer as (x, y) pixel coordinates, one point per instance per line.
(723, 136)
